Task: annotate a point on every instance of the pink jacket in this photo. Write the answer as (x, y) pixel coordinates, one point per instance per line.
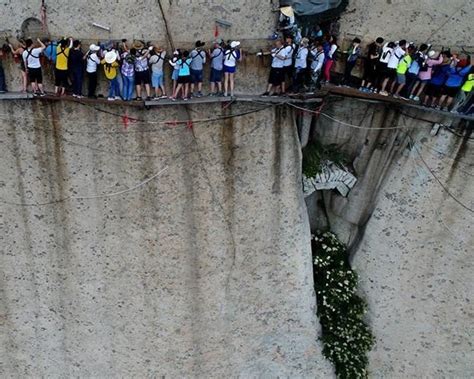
(426, 75)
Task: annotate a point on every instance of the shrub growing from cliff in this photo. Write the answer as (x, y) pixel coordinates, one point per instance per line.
(346, 337)
(315, 154)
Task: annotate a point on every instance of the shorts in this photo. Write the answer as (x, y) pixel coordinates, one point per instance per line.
(391, 73)
(277, 76)
(216, 76)
(60, 78)
(142, 77)
(230, 69)
(157, 79)
(287, 72)
(196, 76)
(401, 78)
(184, 79)
(450, 91)
(433, 90)
(35, 75)
(175, 75)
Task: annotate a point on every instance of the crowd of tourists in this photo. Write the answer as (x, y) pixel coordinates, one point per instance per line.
(442, 80)
(137, 68)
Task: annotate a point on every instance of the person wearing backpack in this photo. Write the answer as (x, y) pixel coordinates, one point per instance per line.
(419, 59)
(217, 68)
(127, 70)
(397, 55)
(110, 69)
(277, 73)
(232, 55)
(353, 55)
(175, 74)
(198, 60)
(157, 61)
(301, 65)
(142, 71)
(370, 71)
(31, 57)
(465, 94)
(92, 62)
(424, 76)
(438, 78)
(382, 71)
(402, 70)
(290, 50)
(330, 48)
(184, 76)
(317, 64)
(456, 74)
(61, 67)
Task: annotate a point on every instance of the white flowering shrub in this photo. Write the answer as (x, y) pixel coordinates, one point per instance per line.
(346, 337)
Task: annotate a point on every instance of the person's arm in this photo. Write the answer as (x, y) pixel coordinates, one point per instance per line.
(70, 42)
(42, 45)
(332, 50)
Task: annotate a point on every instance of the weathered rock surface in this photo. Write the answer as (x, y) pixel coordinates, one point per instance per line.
(204, 271)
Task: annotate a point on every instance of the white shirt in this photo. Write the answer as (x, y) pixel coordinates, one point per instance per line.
(279, 57)
(301, 58)
(396, 57)
(332, 51)
(386, 54)
(318, 61)
(92, 62)
(289, 50)
(230, 58)
(32, 57)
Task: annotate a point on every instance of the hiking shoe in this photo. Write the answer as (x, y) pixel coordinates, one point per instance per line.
(111, 98)
(265, 94)
(383, 93)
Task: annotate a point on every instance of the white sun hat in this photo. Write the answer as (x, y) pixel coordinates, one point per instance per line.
(432, 54)
(288, 11)
(94, 47)
(110, 57)
(234, 44)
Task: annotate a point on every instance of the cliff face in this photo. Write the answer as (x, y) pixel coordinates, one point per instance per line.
(411, 243)
(201, 271)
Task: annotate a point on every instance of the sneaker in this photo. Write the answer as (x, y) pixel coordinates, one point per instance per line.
(42, 94)
(199, 94)
(265, 94)
(138, 98)
(111, 98)
(163, 97)
(148, 98)
(275, 95)
(411, 97)
(395, 96)
(383, 93)
(156, 98)
(362, 89)
(416, 98)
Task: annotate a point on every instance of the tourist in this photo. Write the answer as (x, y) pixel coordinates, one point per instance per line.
(31, 57)
(353, 55)
(184, 76)
(50, 51)
(458, 70)
(301, 65)
(175, 74)
(110, 70)
(76, 68)
(290, 49)
(465, 94)
(217, 68)
(3, 84)
(18, 55)
(382, 68)
(395, 57)
(424, 76)
(419, 59)
(198, 59)
(316, 66)
(142, 72)
(157, 77)
(277, 73)
(370, 70)
(127, 70)
(92, 62)
(402, 69)
(232, 55)
(61, 68)
(330, 47)
(438, 78)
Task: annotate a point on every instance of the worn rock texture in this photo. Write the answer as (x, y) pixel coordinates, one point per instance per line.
(204, 271)
(439, 22)
(411, 243)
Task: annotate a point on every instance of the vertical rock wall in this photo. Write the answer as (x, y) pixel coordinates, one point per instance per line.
(203, 271)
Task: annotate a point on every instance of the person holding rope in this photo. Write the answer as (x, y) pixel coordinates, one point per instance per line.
(62, 66)
(232, 55)
(198, 60)
(217, 68)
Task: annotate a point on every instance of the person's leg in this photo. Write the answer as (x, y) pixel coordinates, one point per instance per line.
(148, 90)
(226, 83)
(442, 100)
(421, 89)
(232, 83)
(24, 79)
(3, 85)
(139, 90)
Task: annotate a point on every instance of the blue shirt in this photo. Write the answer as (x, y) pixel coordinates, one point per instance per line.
(198, 58)
(440, 74)
(50, 51)
(456, 76)
(184, 67)
(217, 59)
